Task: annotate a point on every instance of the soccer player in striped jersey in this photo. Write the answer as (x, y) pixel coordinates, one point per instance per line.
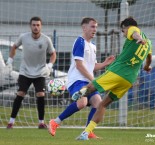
(121, 74)
(83, 64)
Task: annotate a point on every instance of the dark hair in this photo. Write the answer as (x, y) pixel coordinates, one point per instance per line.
(86, 20)
(129, 22)
(35, 19)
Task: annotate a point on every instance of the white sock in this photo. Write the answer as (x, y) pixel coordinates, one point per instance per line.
(41, 121)
(57, 120)
(12, 120)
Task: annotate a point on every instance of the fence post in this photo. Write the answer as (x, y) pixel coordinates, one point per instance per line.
(55, 46)
(123, 102)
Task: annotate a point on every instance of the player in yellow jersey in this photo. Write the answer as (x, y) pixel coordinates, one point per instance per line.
(121, 74)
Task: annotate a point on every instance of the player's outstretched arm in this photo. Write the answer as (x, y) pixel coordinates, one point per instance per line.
(139, 38)
(108, 60)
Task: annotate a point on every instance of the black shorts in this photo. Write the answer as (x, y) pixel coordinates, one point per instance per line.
(25, 82)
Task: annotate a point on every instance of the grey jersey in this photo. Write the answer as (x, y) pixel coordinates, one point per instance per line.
(34, 54)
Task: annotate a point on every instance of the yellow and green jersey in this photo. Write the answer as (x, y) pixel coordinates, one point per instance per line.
(128, 63)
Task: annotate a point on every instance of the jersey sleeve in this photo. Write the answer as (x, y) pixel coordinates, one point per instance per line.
(78, 49)
(19, 41)
(150, 44)
(131, 30)
(50, 47)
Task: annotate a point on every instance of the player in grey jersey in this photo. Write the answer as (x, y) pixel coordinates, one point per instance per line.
(33, 68)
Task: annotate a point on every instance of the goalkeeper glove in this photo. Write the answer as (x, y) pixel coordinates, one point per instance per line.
(50, 65)
(9, 63)
(47, 70)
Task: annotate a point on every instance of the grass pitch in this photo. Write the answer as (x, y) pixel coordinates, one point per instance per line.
(29, 136)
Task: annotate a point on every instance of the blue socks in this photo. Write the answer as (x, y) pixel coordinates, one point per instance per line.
(71, 109)
(90, 116)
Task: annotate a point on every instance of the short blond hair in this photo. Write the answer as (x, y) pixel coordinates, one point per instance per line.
(86, 20)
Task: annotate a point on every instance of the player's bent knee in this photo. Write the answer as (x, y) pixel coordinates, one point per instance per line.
(95, 100)
(40, 94)
(81, 104)
(21, 93)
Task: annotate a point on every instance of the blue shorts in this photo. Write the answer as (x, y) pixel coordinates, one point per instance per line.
(77, 86)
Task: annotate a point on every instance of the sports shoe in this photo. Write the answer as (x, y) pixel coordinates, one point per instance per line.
(83, 136)
(42, 126)
(10, 126)
(79, 94)
(93, 136)
(52, 127)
